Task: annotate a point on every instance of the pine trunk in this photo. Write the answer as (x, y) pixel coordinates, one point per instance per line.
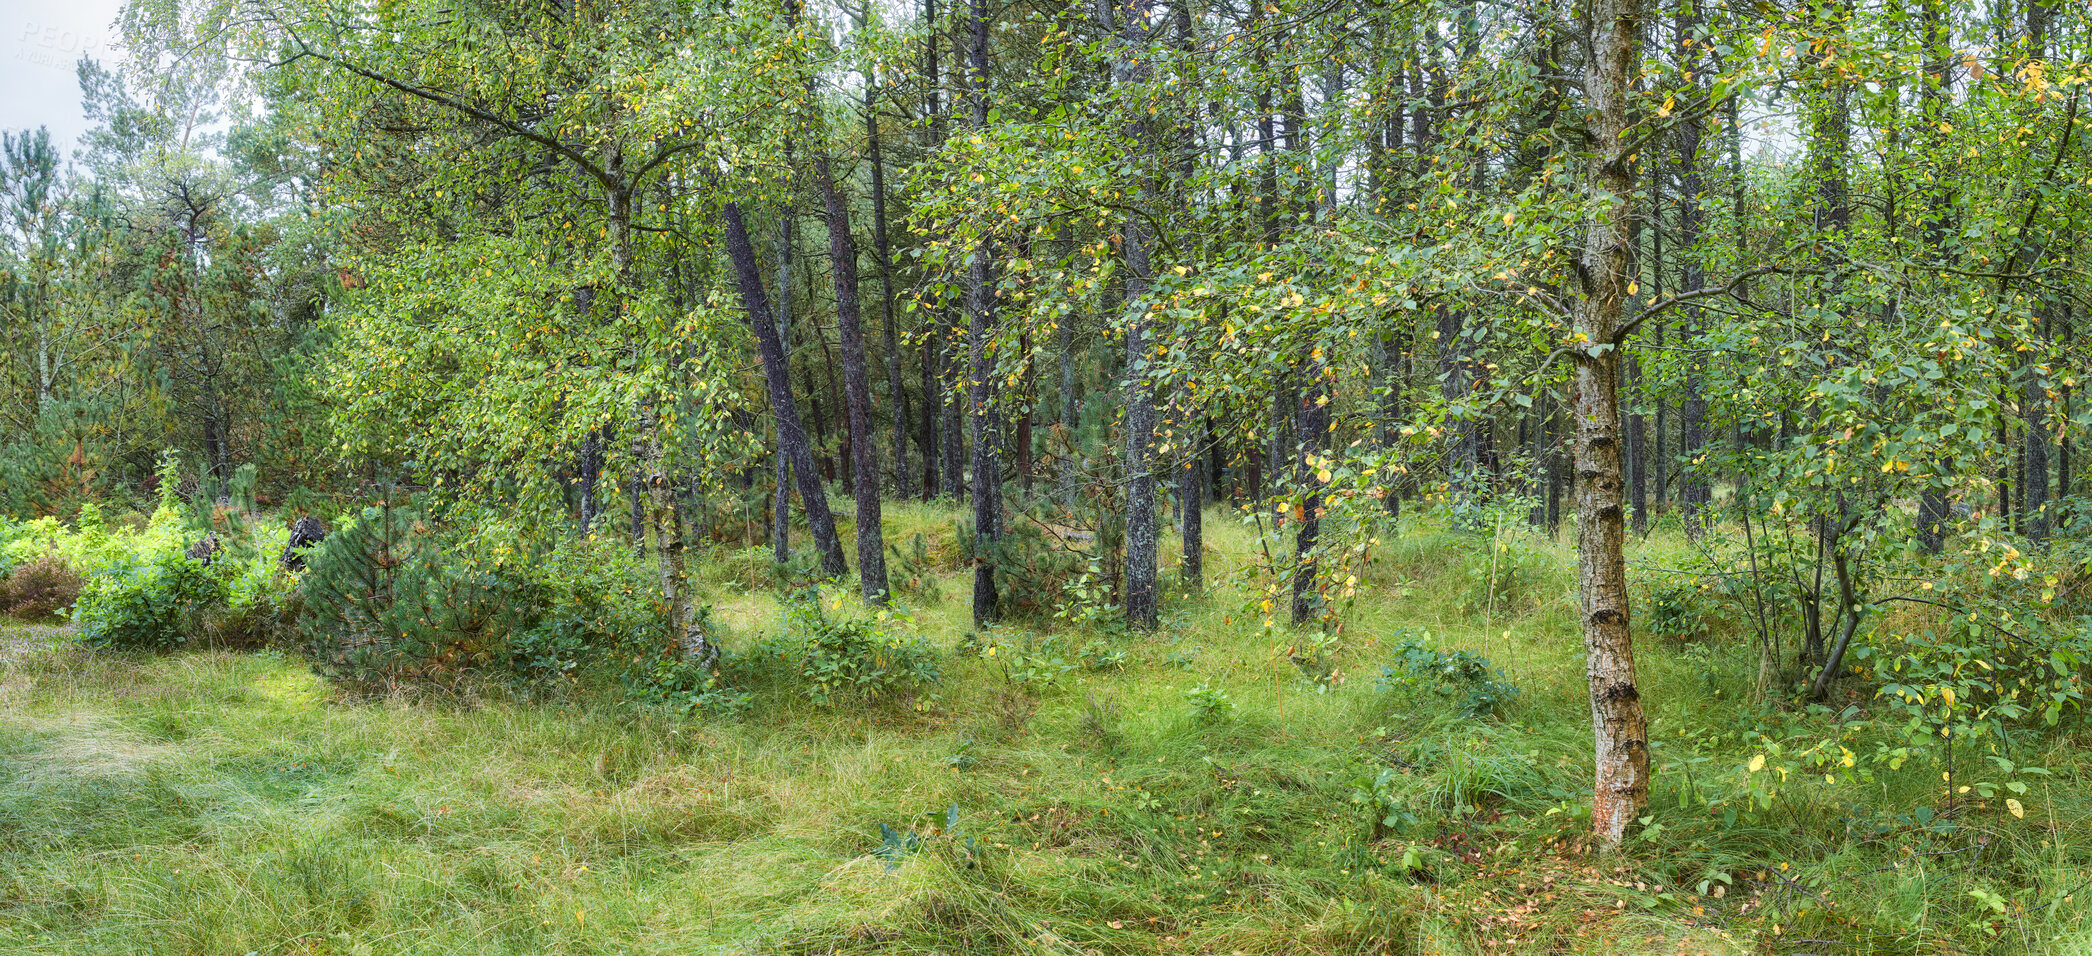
(857, 390)
(790, 431)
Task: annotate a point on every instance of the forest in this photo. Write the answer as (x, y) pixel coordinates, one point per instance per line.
(1125, 477)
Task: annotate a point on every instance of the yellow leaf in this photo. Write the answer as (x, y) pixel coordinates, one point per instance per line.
(1757, 763)
(2016, 808)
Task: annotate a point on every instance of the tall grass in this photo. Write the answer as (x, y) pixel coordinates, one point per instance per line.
(221, 803)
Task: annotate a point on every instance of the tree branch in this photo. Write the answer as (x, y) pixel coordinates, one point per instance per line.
(1627, 328)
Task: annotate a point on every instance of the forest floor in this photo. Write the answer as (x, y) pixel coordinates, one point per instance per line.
(1203, 793)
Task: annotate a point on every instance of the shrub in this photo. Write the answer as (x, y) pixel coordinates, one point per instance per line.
(40, 588)
(1209, 705)
(153, 602)
(1678, 610)
(1483, 690)
(913, 572)
(1032, 573)
(1506, 579)
(831, 659)
(666, 678)
(262, 604)
(598, 608)
(383, 603)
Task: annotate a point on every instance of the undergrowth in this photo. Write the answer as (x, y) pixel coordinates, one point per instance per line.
(843, 782)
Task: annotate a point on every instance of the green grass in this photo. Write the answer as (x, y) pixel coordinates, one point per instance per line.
(216, 803)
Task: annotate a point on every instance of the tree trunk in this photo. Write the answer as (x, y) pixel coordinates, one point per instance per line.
(2034, 484)
(1934, 91)
(781, 491)
(1621, 785)
(857, 390)
(896, 388)
(1637, 455)
(1392, 357)
(1694, 495)
(1191, 529)
(935, 395)
(1027, 402)
(791, 432)
(1313, 417)
(1142, 530)
(933, 408)
(952, 405)
(590, 468)
(980, 305)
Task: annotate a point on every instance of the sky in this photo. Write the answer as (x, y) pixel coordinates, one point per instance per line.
(40, 41)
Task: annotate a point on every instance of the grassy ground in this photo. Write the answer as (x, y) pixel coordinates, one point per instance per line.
(216, 803)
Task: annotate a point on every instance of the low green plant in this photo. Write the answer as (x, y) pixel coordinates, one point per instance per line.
(941, 830)
(686, 687)
(1210, 705)
(1036, 669)
(261, 606)
(385, 602)
(1090, 604)
(1504, 579)
(836, 658)
(1096, 656)
(1032, 572)
(1482, 690)
(597, 613)
(912, 571)
(1375, 790)
(1676, 611)
(155, 602)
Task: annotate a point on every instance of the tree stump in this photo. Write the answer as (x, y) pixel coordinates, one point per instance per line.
(307, 532)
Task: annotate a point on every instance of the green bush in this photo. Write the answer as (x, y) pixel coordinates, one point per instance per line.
(1678, 610)
(1506, 583)
(383, 603)
(262, 603)
(1032, 572)
(153, 602)
(663, 677)
(912, 572)
(601, 616)
(847, 658)
(1209, 705)
(1483, 690)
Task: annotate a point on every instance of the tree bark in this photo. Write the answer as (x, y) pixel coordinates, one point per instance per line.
(896, 388)
(781, 491)
(857, 390)
(1934, 91)
(1128, 69)
(1191, 518)
(935, 395)
(791, 432)
(1313, 417)
(1695, 494)
(1621, 784)
(1637, 455)
(980, 305)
